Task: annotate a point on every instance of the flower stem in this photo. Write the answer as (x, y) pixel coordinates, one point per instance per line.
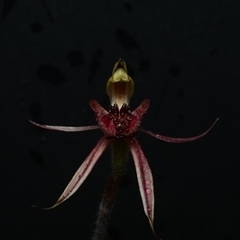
(119, 159)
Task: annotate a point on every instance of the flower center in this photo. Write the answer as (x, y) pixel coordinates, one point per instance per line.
(119, 122)
(121, 119)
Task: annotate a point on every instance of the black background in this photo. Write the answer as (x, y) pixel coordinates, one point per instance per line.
(184, 56)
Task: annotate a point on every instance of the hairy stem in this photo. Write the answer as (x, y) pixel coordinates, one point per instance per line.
(119, 159)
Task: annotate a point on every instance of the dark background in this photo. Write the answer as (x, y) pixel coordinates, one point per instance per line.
(184, 56)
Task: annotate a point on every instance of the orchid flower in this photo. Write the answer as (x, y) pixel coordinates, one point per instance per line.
(119, 125)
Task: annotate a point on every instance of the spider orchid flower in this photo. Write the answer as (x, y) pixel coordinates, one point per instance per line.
(119, 123)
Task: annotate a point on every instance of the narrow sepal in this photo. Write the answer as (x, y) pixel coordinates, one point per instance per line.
(82, 172)
(65, 128)
(145, 179)
(177, 140)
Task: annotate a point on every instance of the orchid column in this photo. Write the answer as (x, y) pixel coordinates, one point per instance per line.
(119, 89)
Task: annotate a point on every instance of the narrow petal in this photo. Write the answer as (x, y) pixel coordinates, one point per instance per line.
(177, 140)
(145, 179)
(65, 129)
(142, 108)
(104, 119)
(137, 115)
(82, 172)
(97, 108)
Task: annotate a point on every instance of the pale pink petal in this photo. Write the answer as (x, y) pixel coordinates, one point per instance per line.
(136, 116)
(65, 129)
(177, 140)
(142, 108)
(104, 119)
(145, 179)
(82, 172)
(97, 108)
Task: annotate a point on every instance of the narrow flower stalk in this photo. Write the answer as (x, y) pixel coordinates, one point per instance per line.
(119, 160)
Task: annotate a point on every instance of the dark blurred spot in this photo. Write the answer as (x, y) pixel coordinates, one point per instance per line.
(181, 117)
(213, 52)
(128, 7)
(127, 41)
(180, 92)
(94, 65)
(75, 57)
(36, 27)
(144, 65)
(51, 74)
(47, 11)
(174, 71)
(43, 139)
(35, 110)
(37, 157)
(7, 7)
(113, 233)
